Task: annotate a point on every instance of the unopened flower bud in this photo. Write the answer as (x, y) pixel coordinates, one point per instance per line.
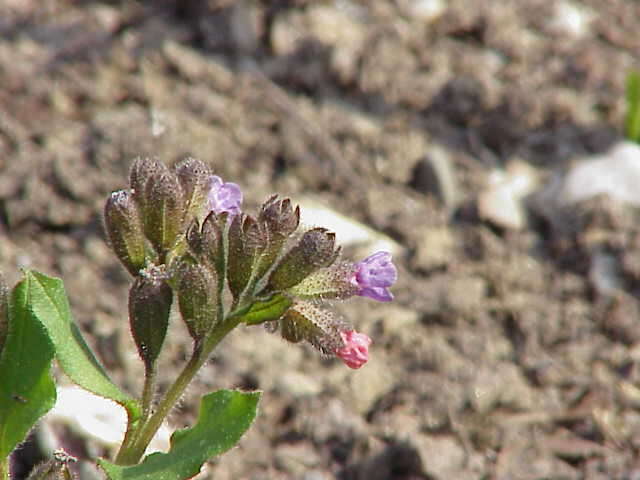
(150, 301)
(355, 351)
(124, 230)
(334, 282)
(280, 220)
(163, 212)
(142, 169)
(306, 321)
(211, 235)
(197, 297)
(55, 469)
(316, 249)
(279, 216)
(194, 179)
(247, 239)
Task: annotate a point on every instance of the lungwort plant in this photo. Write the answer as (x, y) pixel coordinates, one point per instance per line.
(182, 235)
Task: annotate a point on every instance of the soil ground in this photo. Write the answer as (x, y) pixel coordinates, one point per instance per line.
(501, 357)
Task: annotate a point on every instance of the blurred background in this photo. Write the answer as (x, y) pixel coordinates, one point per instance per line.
(481, 142)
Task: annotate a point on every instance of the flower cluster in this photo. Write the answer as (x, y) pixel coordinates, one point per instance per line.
(182, 234)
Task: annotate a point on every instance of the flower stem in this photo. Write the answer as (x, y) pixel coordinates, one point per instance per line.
(148, 391)
(4, 469)
(131, 454)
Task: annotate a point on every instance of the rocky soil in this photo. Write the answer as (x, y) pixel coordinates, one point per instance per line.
(512, 350)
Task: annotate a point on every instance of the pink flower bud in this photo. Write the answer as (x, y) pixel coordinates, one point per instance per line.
(355, 352)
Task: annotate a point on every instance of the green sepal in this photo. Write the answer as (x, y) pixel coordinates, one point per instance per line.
(267, 310)
(315, 249)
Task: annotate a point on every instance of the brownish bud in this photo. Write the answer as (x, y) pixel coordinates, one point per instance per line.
(321, 328)
(198, 298)
(193, 176)
(316, 249)
(163, 212)
(279, 216)
(124, 230)
(211, 240)
(142, 169)
(247, 238)
(55, 469)
(150, 301)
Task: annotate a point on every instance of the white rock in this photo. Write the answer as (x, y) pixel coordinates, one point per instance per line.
(97, 418)
(604, 273)
(616, 173)
(501, 201)
(571, 18)
(427, 10)
(348, 231)
(298, 384)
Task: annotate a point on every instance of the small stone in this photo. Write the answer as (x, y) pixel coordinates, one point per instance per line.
(435, 249)
(604, 273)
(370, 383)
(395, 318)
(464, 294)
(571, 18)
(501, 201)
(616, 173)
(442, 456)
(297, 384)
(434, 174)
(348, 231)
(427, 10)
(502, 384)
(97, 418)
(296, 459)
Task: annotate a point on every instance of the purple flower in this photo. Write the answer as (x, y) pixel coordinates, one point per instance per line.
(224, 196)
(374, 275)
(355, 351)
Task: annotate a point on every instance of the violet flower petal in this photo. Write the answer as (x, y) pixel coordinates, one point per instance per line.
(224, 196)
(374, 275)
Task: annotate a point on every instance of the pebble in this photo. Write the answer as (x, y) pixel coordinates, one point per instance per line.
(348, 232)
(435, 174)
(97, 418)
(615, 173)
(442, 456)
(501, 202)
(297, 384)
(427, 10)
(502, 384)
(435, 248)
(571, 18)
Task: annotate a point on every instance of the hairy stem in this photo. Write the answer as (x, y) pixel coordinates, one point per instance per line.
(4, 469)
(132, 453)
(148, 391)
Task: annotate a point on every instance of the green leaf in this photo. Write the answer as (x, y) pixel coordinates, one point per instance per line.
(27, 390)
(49, 304)
(266, 310)
(224, 417)
(632, 121)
